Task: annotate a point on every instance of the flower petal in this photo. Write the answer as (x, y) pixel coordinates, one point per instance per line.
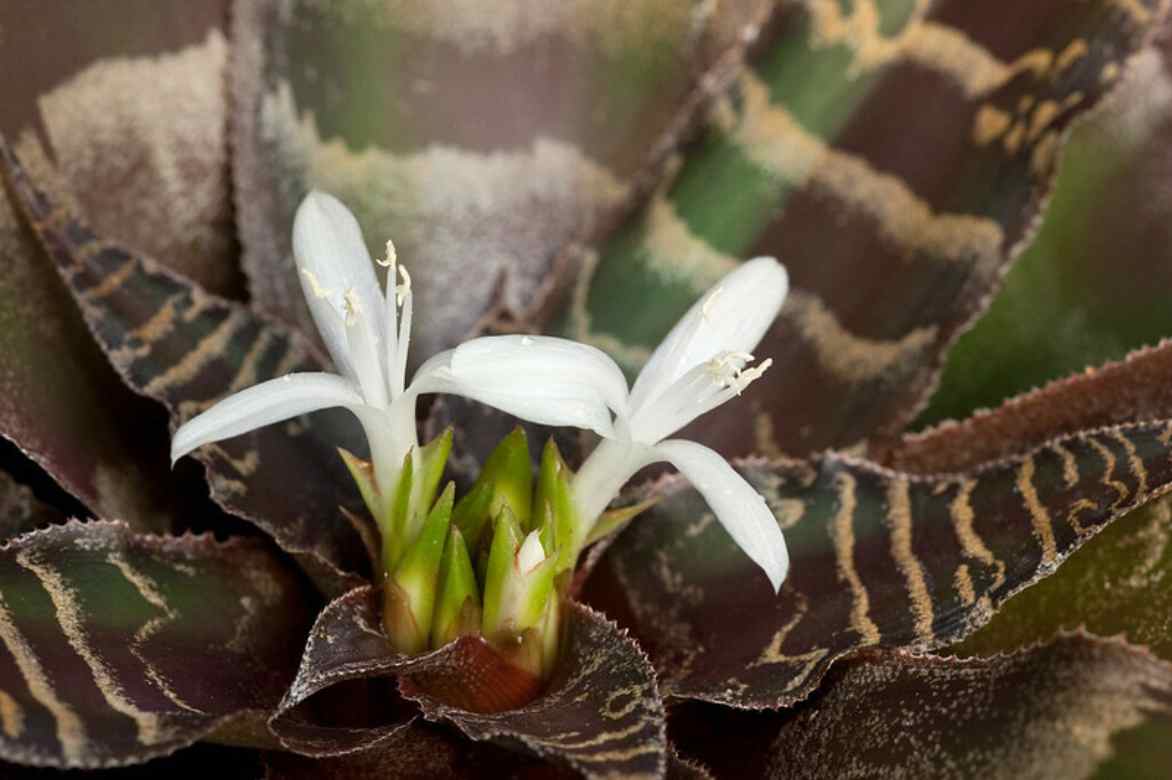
(732, 317)
(737, 506)
(545, 380)
(269, 402)
(327, 243)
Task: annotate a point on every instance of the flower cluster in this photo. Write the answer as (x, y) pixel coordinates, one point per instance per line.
(495, 561)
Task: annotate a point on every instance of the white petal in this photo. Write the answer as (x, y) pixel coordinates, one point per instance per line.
(545, 380)
(531, 554)
(261, 405)
(327, 242)
(732, 317)
(737, 506)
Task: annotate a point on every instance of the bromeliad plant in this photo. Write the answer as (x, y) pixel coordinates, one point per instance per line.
(966, 599)
(527, 540)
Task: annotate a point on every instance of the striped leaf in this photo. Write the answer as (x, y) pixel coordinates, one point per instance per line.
(119, 647)
(486, 137)
(600, 714)
(894, 155)
(131, 111)
(1052, 711)
(879, 559)
(1092, 286)
(186, 348)
(418, 751)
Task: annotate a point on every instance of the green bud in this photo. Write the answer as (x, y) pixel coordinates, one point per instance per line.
(363, 474)
(471, 514)
(429, 467)
(519, 582)
(612, 521)
(561, 532)
(414, 580)
(458, 608)
(510, 472)
(394, 530)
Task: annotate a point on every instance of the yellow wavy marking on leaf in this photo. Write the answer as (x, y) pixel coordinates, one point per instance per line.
(841, 353)
(963, 582)
(1134, 461)
(773, 139)
(1069, 464)
(1109, 463)
(68, 611)
(961, 512)
(676, 253)
(70, 729)
(149, 590)
(1039, 517)
(208, 349)
(842, 533)
(899, 520)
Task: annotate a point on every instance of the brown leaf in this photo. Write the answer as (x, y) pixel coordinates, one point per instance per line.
(173, 342)
(877, 558)
(130, 109)
(600, 714)
(1138, 388)
(1048, 711)
(418, 751)
(20, 511)
(478, 138)
(120, 647)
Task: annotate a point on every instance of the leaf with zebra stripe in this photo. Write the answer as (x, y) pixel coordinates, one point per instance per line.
(878, 559)
(600, 714)
(894, 155)
(174, 342)
(117, 647)
(485, 137)
(1049, 711)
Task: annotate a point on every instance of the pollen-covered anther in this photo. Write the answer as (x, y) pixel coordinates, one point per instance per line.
(748, 376)
(392, 256)
(353, 306)
(403, 289)
(315, 286)
(725, 368)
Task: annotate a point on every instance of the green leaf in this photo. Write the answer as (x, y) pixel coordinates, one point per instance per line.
(878, 558)
(502, 568)
(561, 530)
(472, 513)
(121, 647)
(894, 157)
(505, 482)
(458, 610)
(173, 342)
(417, 574)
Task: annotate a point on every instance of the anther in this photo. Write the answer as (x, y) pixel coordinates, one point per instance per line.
(315, 286)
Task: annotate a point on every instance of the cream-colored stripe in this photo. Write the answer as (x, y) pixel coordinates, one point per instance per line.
(961, 510)
(69, 617)
(11, 716)
(772, 138)
(899, 517)
(70, 729)
(1069, 464)
(149, 590)
(843, 534)
(1039, 517)
(843, 354)
(207, 350)
(1138, 470)
(1108, 479)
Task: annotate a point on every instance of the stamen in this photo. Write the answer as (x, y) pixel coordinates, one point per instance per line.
(315, 286)
(353, 307)
(748, 376)
(404, 288)
(392, 256)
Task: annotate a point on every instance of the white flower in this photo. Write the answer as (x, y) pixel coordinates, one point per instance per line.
(366, 332)
(699, 366)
